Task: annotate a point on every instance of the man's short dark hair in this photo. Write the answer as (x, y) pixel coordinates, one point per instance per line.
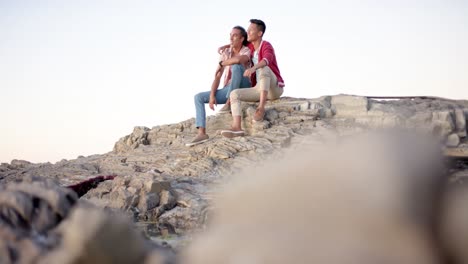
(243, 33)
(260, 24)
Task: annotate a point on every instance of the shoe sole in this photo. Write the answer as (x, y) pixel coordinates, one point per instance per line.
(191, 144)
(232, 134)
(233, 131)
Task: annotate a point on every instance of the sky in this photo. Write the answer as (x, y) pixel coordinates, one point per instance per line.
(76, 76)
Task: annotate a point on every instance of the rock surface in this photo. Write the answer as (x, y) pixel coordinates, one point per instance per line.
(159, 180)
(42, 222)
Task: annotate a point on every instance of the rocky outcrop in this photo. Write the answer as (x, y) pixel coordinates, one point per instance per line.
(440, 117)
(157, 180)
(160, 180)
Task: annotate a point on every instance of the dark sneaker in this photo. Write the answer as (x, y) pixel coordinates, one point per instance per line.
(225, 109)
(197, 140)
(232, 133)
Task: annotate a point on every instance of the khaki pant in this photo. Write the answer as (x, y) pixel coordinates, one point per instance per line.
(267, 81)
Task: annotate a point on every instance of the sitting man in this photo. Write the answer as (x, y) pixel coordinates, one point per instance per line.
(233, 61)
(264, 74)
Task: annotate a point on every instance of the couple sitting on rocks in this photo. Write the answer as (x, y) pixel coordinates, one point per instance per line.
(251, 74)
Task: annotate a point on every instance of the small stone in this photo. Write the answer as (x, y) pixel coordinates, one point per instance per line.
(136, 183)
(164, 232)
(452, 140)
(133, 190)
(182, 203)
(148, 201)
(166, 199)
(304, 106)
(271, 115)
(460, 123)
(156, 186)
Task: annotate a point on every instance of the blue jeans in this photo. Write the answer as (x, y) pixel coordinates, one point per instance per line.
(237, 81)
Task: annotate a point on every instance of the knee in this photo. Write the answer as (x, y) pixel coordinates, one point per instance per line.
(234, 96)
(198, 97)
(264, 72)
(237, 68)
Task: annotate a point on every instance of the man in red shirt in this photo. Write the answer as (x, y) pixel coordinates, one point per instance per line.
(264, 75)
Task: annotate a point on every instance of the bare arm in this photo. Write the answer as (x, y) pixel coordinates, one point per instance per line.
(257, 66)
(260, 65)
(214, 87)
(222, 48)
(217, 78)
(242, 59)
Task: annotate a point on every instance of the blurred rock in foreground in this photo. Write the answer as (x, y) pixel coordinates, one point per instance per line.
(41, 222)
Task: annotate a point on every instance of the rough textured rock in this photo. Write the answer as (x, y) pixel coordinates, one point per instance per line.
(134, 140)
(351, 106)
(40, 223)
(160, 151)
(34, 206)
(104, 239)
(161, 181)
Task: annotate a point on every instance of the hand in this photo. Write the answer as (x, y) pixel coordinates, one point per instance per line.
(249, 72)
(223, 48)
(212, 102)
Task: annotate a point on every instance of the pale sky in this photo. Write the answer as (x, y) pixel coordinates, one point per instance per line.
(75, 76)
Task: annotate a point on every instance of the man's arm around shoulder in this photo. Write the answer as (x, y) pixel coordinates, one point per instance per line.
(240, 59)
